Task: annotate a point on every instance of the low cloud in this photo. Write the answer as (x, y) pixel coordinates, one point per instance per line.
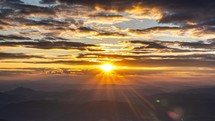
(17, 56)
(50, 45)
(13, 37)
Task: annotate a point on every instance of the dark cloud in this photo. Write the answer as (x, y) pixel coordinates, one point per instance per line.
(155, 29)
(86, 29)
(149, 44)
(70, 62)
(53, 71)
(29, 9)
(111, 34)
(16, 56)
(199, 44)
(106, 15)
(48, 1)
(106, 4)
(54, 38)
(155, 46)
(95, 49)
(100, 32)
(178, 11)
(168, 63)
(179, 46)
(15, 11)
(207, 45)
(50, 45)
(50, 22)
(143, 57)
(183, 12)
(13, 37)
(12, 1)
(191, 60)
(47, 22)
(211, 40)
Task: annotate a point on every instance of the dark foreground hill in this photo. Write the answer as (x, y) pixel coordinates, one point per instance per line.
(90, 111)
(24, 104)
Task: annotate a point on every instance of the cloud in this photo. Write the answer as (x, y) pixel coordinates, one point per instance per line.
(106, 15)
(199, 44)
(66, 16)
(186, 62)
(177, 11)
(106, 4)
(150, 56)
(203, 45)
(17, 56)
(13, 37)
(189, 60)
(69, 62)
(50, 45)
(180, 32)
(159, 31)
(149, 44)
(180, 12)
(86, 29)
(176, 46)
(43, 71)
(156, 29)
(156, 46)
(108, 34)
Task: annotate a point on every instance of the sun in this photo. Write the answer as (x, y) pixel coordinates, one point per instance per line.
(107, 67)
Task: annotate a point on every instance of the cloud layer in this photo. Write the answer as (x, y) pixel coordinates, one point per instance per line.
(138, 33)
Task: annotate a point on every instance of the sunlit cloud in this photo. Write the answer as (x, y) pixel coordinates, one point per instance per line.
(78, 34)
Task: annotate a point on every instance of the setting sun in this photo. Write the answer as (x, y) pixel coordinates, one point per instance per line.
(107, 67)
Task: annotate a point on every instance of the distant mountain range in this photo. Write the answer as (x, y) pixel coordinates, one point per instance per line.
(113, 104)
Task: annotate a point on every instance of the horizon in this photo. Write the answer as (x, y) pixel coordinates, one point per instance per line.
(150, 53)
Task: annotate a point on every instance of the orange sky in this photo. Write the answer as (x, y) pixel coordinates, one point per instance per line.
(142, 39)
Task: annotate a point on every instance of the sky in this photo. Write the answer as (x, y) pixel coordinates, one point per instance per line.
(147, 40)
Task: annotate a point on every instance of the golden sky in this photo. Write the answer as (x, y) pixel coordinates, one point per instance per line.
(143, 39)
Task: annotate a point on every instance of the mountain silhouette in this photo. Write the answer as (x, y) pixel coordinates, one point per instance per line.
(26, 104)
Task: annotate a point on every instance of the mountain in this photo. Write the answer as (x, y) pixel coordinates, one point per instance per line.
(30, 94)
(89, 111)
(7, 98)
(21, 91)
(202, 90)
(187, 105)
(2, 120)
(110, 104)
